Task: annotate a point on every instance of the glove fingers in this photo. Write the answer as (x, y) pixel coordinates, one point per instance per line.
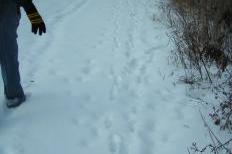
(36, 30)
(33, 29)
(44, 28)
(40, 31)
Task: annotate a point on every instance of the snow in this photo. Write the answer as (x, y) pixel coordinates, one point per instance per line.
(100, 82)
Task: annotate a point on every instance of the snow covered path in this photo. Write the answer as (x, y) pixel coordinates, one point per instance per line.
(100, 83)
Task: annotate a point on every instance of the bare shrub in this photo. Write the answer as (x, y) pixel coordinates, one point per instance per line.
(216, 146)
(202, 33)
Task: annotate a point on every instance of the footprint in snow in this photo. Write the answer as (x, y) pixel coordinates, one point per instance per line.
(117, 145)
(88, 69)
(108, 123)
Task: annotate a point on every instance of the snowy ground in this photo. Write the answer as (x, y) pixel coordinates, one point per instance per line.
(100, 83)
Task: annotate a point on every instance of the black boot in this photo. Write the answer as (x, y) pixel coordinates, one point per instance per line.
(15, 102)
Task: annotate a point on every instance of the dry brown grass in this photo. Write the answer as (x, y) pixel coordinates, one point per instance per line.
(201, 30)
(202, 33)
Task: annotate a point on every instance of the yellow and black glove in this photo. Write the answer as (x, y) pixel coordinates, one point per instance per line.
(37, 23)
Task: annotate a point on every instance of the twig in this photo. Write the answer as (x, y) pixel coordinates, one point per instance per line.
(212, 133)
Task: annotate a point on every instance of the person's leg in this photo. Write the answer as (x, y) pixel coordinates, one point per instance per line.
(9, 53)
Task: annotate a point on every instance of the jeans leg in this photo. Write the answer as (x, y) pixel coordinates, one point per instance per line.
(9, 54)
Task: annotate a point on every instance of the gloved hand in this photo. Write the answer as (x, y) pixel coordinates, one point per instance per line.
(36, 20)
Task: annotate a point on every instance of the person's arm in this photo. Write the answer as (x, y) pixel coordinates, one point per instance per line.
(36, 20)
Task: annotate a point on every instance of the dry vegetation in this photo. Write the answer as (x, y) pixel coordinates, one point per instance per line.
(202, 33)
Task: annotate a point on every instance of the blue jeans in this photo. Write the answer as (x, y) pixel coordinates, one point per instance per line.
(9, 19)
